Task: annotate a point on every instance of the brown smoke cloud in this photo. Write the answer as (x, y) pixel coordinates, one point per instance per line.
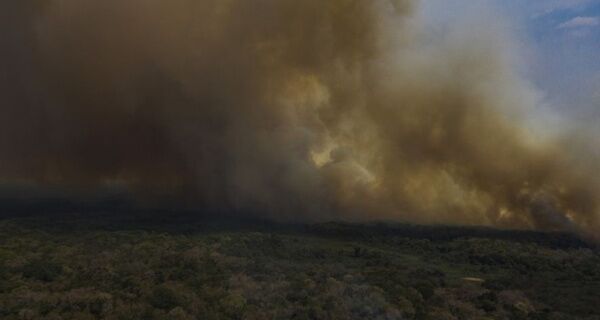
(310, 110)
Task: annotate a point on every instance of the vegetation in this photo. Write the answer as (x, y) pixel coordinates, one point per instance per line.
(81, 268)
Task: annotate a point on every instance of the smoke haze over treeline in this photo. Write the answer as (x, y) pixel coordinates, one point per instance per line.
(300, 110)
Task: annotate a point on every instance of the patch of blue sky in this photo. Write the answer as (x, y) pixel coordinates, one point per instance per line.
(565, 35)
(562, 42)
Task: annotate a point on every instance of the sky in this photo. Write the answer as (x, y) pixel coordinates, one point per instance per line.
(558, 40)
(353, 110)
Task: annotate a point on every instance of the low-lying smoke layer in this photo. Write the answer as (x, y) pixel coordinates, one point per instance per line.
(312, 109)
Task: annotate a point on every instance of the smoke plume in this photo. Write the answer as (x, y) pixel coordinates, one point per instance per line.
(302, 110)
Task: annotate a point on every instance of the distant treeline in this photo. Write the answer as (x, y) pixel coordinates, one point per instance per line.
(439, 233)
(117, 212)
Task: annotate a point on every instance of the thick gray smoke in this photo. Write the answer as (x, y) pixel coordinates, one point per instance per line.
(310, 110)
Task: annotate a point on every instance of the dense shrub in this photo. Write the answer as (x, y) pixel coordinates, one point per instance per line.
(113, 274)
(42, 270)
